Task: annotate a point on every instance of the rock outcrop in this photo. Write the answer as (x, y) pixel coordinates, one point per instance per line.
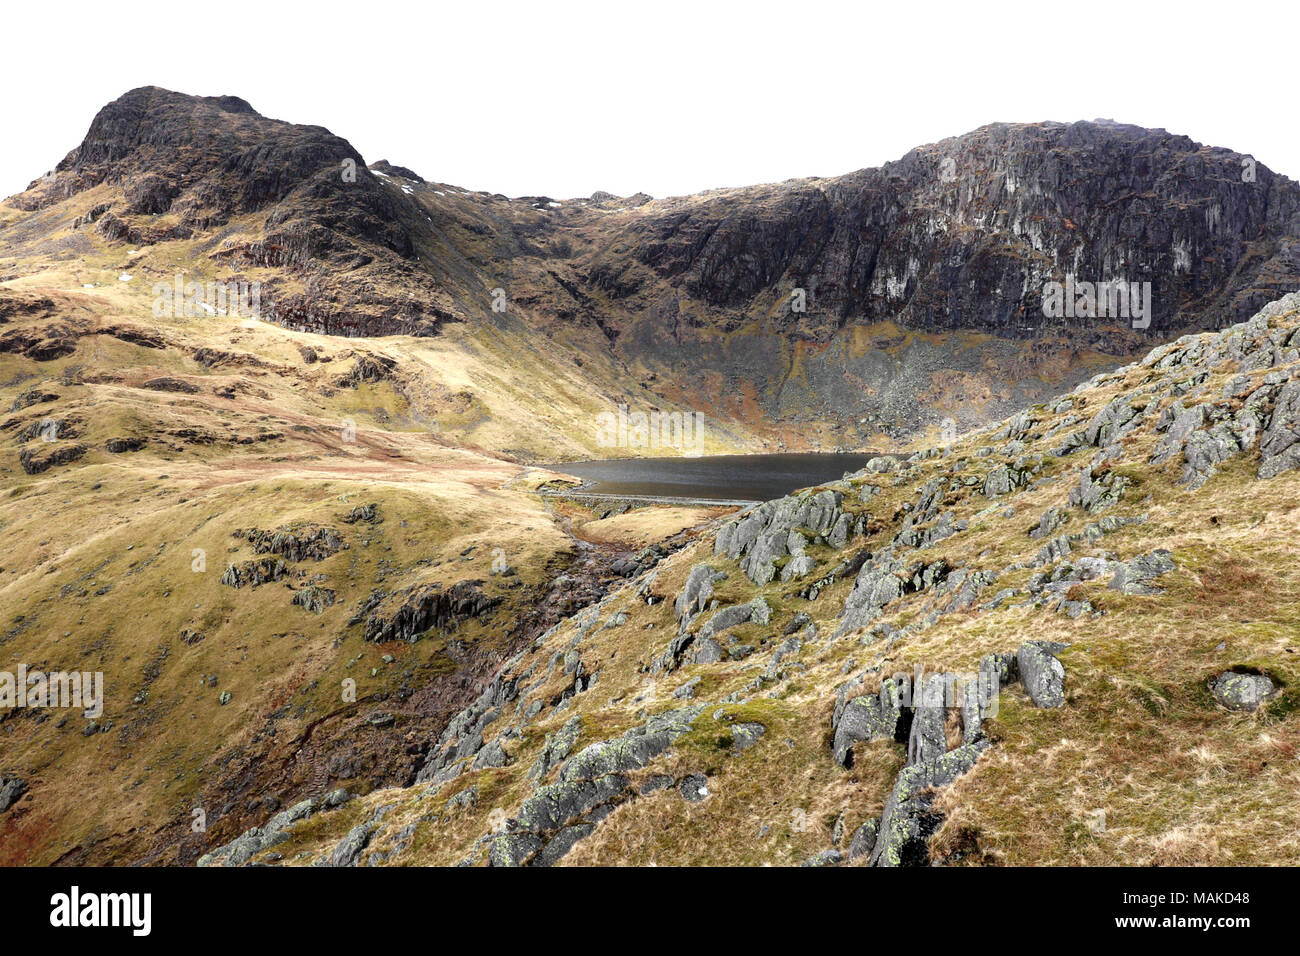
(430, 607)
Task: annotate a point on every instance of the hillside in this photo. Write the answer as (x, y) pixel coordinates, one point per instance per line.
(228, 521)
(1113, 565)
(304, 542)
(919, 283)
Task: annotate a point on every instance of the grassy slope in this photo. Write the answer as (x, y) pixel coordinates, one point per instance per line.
(98, 554)
(1181, 779)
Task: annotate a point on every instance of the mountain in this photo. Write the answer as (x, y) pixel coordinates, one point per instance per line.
(921, 283)
(299, 533)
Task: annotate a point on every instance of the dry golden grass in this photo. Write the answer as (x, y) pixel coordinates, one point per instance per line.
(1180, 780)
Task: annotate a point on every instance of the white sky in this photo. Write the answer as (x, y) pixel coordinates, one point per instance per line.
(564, 98)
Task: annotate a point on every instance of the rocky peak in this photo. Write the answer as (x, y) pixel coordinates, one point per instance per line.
(962, 234)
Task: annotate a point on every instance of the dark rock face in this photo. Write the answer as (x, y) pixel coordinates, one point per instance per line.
(430, 607)
(268, 158)
(295, 543)
(167, 384)
(965, 247)
(254, 573)
(32, 396)
(35, 461)
(11, 789)
(961, 234)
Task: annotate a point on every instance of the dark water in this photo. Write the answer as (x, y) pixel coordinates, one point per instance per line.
(740, 477)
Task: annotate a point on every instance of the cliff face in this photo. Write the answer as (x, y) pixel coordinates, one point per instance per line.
(878, 302)
(957, 239)
(962, 234)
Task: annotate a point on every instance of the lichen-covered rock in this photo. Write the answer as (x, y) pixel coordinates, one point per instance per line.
(998, 482)
(553, 806)
(908, 821)
(877, 583)
(694, 788)
(562, 843)
(590, 785)
(295, 542)
(556, 748)
(797, 567)
(757, 611)
(687, 690)
(789, 647)
(824, 858)
(864, 839)
(1133, 577)
(254, 573)
(697, 590)
(11, 790)
(1279, 447)
(493, 755)
(1042, 675)
(869, 717)
(708, 651)
(350, 847)
(463, 736)
(927, 739)
(512, 849)
(1111, 423)
(276, 830)
(745, 735)
(761, 536)
(1048, 523)
(633, 750)
(1095, 493)
(1205, 450)
(1243, 692)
